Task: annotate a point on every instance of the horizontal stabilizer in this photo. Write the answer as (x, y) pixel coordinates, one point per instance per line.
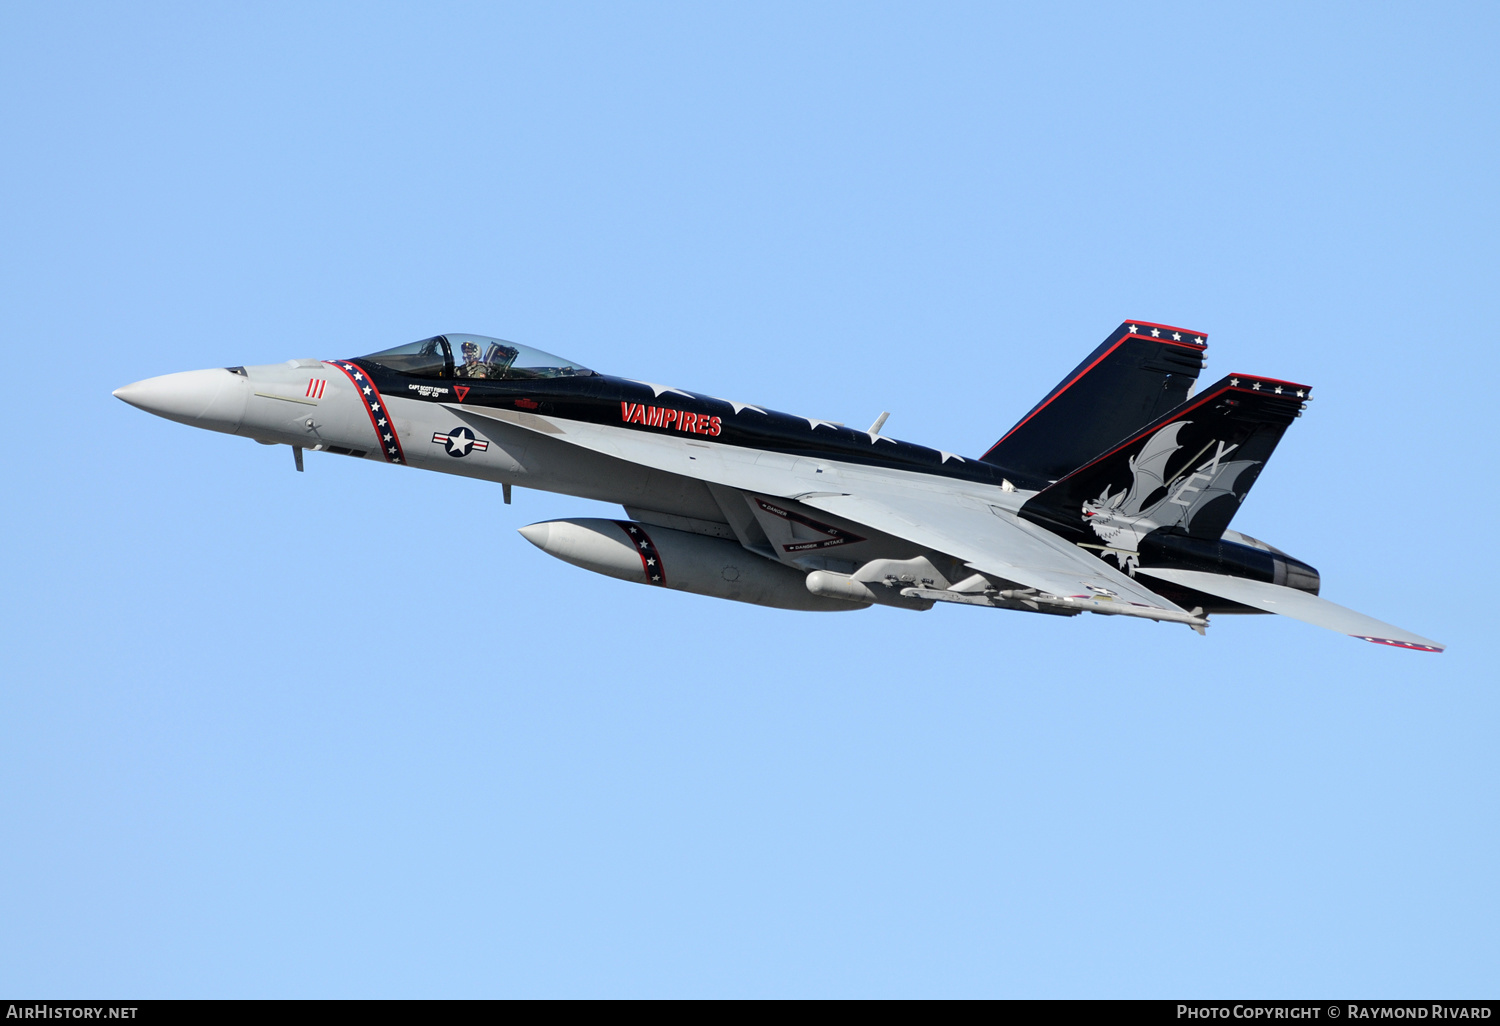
(1299, 605)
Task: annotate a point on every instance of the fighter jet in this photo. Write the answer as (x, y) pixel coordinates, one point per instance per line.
(1113, 495)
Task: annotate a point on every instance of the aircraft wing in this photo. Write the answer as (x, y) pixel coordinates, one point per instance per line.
(928, 511)
(992, 541)
(1299, 605)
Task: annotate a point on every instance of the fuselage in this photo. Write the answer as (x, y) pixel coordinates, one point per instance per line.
(496, 429)
(357, 407)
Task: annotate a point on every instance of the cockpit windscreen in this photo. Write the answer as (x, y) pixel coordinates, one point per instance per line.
(475, 356)
(425, 359)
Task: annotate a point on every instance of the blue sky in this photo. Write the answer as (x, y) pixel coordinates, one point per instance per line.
(345, 733)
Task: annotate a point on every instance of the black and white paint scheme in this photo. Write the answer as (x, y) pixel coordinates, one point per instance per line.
(1154, 501)
(1113, 495)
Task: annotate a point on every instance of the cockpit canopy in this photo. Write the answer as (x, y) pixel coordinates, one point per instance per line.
(475, 356)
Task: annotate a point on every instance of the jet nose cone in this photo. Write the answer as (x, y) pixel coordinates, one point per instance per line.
(134, 394)
(213, 399)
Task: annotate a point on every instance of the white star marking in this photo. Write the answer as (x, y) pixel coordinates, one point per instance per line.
(813, 422)
(391, 449)
(1300, 393)
(358, 376)
(645, 544)
(650, 562)
(952, 456)
(367, 390)
(1235, 382)
(1278, 389)
(1198, 339)
(738, 407)
(659, 389)
(374, 407)
(1156, 333)
(879, 438)
(381, 422)
(1256, 386)
(1176, 336)
(387, 438)
(1130, 328)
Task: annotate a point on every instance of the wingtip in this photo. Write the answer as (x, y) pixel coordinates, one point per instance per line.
(1409, 645)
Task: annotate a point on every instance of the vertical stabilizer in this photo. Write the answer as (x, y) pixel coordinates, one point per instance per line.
(1137, 374)
(1187, 472)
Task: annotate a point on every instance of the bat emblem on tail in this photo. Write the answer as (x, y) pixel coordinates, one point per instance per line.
(1153, 500)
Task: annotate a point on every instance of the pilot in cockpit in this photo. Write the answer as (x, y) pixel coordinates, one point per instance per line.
(473, 366)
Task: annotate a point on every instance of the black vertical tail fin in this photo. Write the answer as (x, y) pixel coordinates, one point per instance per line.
(1187, 471)
(1137, 374)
